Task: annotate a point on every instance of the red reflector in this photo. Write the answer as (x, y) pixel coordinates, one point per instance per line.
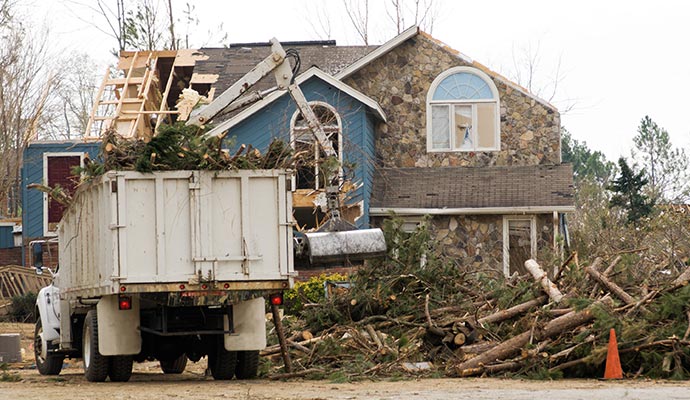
(122, 288)
(277, 299)
(182, 287)
(227, 286)
(204, 286)
(125, 303)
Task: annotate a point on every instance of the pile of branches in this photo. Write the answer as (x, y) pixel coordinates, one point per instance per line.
(417, 312)
(180, 147)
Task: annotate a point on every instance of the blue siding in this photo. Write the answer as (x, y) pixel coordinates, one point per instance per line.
(6, 237)
(273, 121)
(32, 172)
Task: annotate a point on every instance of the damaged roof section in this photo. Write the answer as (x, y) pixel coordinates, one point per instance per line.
(230, 64)
(462, 190)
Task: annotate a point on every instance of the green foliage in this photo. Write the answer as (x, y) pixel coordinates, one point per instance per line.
(587, 163)
(7, 376)
(23, 307)
(311, 291)
(628, 193)
(665, 167)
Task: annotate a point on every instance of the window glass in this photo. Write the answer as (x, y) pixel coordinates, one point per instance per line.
(463, 127)
(463, 85)
(440, 127)
(462, 112)
(486, 124)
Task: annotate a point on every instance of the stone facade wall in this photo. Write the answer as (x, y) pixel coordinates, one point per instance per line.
(477, 240)
(400, 80)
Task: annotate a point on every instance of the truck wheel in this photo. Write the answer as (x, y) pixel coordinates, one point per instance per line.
(176, 366)
(120, 368)
(247, 364)
(95, 364)
(222, 362)
(52, 364)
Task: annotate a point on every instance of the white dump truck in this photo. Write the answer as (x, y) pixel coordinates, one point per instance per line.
(168, 266)
(178, 265)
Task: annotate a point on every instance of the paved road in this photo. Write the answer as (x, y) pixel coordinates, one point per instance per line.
(72, 386)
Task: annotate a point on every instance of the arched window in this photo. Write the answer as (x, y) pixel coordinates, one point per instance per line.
(462, 112)
(303, 140)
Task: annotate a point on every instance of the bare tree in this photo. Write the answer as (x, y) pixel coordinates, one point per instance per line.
(25, 87)
(422, 13)
(528, 72)
(358, 13)
(320, 23)
(71, 101)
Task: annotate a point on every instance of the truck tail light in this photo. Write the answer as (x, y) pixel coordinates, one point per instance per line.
(276, 299)
(125, 303)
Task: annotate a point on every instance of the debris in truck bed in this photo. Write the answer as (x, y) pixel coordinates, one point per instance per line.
(417, 307)
(180, 147)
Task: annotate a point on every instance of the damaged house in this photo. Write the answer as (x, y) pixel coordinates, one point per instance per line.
(420, 128)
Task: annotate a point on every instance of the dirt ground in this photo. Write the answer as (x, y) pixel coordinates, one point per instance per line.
(22, 381)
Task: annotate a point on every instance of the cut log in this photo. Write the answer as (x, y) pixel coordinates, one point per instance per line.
(540, 276)
(682, 279)
(606, 272)
(511, 312)
(610, 285)
(513, 345)
(278, 323)
(459, 339)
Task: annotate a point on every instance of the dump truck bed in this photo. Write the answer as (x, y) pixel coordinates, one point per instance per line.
(163, 231)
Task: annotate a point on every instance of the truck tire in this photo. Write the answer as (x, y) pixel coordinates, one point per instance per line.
(120, 368)
(175, 366)
(222, 362)
(95, 364)
(247, 364)
(52, 364)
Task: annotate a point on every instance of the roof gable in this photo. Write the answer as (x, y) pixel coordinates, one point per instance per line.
(312, 72)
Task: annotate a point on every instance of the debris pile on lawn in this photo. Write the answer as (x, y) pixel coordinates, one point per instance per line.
(418, 313)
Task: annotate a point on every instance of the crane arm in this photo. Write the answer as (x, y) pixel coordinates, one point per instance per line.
(228, 100)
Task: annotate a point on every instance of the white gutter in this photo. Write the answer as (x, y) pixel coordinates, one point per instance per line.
(385, 211)
(381, 50)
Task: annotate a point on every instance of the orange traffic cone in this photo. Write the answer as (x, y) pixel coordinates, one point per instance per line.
(613, 362)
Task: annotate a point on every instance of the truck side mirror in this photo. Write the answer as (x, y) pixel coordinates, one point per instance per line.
(37, 256)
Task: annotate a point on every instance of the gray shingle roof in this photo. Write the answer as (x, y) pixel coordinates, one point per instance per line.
(232, 63)
(482, 187)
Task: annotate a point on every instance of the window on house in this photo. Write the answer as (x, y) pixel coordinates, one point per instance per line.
(303, 141)
(462, 112)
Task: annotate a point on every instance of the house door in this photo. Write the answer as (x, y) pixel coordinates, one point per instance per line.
(58, 171)
(519, 244)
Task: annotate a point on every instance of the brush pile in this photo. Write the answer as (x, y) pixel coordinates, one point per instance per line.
(180, 147)
(419, 313)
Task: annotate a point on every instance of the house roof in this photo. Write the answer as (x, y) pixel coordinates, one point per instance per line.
(481, 190)
(312, 72)
(230, 64)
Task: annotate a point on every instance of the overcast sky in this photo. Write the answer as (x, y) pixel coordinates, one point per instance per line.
(619, 60)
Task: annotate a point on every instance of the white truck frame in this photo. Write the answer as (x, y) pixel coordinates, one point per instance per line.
(160, 265)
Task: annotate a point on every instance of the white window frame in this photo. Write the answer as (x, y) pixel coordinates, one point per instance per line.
(46, 232)
(472, 102)
(506, 237)
(293, 121)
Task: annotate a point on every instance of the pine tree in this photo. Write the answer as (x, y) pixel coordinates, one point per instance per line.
(628, 193)
(666, 167)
